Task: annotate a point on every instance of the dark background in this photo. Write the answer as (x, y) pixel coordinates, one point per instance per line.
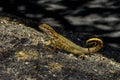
(99, 17)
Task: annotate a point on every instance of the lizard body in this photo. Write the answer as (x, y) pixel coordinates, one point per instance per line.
(58, 41)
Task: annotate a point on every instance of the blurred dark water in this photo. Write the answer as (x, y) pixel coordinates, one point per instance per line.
(99, 17)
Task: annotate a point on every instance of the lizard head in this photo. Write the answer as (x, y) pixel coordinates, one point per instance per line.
(47, 29)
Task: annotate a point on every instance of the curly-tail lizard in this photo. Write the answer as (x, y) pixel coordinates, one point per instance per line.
(58, 41)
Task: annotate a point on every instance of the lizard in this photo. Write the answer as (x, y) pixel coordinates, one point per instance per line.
(59, 41)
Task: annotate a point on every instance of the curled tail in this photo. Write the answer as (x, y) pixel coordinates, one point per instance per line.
(97, 45)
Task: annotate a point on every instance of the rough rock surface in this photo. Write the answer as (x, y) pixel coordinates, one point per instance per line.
(23, 56)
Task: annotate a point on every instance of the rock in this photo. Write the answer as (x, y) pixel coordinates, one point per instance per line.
(23, 56)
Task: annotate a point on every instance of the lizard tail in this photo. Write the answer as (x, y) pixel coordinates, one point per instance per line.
(97, 45)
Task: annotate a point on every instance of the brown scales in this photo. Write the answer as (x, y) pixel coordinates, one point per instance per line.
(58, 41)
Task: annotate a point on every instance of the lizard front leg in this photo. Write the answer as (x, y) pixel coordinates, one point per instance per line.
(46, 43)
(51, 43)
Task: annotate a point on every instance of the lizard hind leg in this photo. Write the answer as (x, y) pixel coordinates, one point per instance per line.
(82, 56)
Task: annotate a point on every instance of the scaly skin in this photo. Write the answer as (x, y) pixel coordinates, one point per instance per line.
(58, 41)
